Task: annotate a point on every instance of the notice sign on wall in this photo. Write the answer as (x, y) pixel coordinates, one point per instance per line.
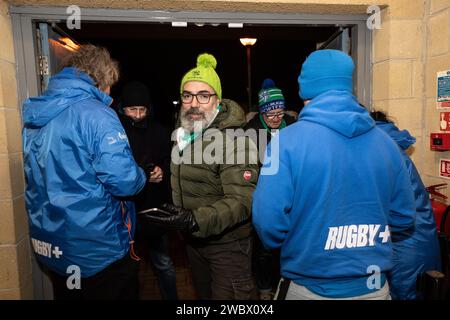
(444, 168)
(443, 89)
(444, 121)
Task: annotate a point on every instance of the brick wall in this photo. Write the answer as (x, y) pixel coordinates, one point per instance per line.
(411, 46)
(437, 58)
(15, 263)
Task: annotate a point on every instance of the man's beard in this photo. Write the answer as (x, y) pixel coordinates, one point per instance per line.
(199, 124)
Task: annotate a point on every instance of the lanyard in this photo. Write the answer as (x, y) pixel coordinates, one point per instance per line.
(129, 226)
(187, 139)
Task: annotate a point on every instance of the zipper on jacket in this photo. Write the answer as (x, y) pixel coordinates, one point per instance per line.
(179, 184)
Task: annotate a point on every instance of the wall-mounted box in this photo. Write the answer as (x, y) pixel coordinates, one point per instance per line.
(440, 141)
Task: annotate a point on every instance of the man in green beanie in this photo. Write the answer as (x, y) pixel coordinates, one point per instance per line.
(212, 196)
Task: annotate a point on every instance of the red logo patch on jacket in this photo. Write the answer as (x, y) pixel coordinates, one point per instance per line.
(247, 175)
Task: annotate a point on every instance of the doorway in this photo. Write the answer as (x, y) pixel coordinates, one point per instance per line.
(150, 47)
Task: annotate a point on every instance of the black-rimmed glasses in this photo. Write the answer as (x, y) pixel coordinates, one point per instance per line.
(272, 116)
(202, 98)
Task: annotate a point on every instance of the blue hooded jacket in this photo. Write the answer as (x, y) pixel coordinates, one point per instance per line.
(417, 250)
(341, 186)
(78, 164)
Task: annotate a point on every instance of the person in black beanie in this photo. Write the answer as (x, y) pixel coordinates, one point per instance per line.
(150, 144)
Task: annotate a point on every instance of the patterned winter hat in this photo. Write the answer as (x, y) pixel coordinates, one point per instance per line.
(270, 97)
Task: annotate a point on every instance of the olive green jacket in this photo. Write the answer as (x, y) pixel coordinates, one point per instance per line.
(215, 176)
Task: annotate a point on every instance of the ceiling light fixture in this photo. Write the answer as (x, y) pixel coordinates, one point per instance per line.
(179, 24)
(235, 25)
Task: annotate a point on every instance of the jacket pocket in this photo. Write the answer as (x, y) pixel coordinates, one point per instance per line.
(245, 245)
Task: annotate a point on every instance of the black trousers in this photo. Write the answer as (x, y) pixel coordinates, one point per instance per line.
(266, 264)
(223, 271)
(117, 281)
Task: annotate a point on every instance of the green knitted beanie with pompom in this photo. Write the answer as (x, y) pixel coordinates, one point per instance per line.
(204, 72)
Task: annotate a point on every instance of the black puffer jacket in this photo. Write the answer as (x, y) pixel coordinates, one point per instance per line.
(150, 143)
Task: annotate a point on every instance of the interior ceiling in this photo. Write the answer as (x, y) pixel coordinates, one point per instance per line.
(164, 31)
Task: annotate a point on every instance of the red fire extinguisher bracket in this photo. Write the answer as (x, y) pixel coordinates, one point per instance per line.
(433, 190)
(440, 206)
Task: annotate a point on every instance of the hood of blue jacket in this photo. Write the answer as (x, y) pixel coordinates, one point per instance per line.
(403, 138)
(339, 111)
(64, 89)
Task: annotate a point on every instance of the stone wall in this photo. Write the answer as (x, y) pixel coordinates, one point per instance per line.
(15, 263)
(409, 49)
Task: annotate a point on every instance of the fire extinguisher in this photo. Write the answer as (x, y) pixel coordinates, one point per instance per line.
(440, 207)
(441, 211)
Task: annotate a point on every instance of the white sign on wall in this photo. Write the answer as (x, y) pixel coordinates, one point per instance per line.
(444, 168)
(444, 122)
(443, 89)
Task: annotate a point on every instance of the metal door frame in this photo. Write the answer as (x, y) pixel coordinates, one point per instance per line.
(23, 19)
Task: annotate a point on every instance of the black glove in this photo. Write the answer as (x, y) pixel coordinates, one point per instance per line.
(172, 218)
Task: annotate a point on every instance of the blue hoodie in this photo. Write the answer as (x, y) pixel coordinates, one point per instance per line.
(341, 186)
(78, 164)
(416, 251)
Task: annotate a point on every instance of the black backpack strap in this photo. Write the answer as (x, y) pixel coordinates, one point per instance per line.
(284, 287)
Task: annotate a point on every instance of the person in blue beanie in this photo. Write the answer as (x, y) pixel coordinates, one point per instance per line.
(417, 251)
(79, 171)
(272, 115)
(271, 119)
(341, 188)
